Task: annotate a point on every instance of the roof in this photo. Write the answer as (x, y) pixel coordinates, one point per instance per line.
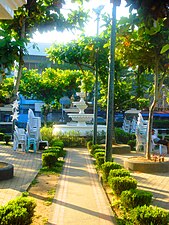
(164, 114)
(37, 49)
(132, 111)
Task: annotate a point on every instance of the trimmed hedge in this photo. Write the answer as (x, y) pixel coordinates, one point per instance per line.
(94, 147)
(89, 145)
(17, 212)
(149, 215)
(98, 154)
(57, 143)
(119, 173)
(7, 138)
(119, 184)
(100, 160)
(61, 152)
(99, 150)
(134, 197)
(50, 159)
(107, 166)
(2, 136)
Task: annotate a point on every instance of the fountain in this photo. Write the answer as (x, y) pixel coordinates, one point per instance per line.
(79, 120)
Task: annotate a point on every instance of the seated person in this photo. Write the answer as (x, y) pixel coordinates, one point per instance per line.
(159, 141)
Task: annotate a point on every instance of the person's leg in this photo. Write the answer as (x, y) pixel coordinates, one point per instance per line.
(164, 142)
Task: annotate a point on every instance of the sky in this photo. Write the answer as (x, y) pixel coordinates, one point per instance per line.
(90, 28)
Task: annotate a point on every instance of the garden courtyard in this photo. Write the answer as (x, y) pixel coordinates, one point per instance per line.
(88, 203)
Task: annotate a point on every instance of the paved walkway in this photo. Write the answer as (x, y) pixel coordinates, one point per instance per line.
(80, 198)
(26, 167)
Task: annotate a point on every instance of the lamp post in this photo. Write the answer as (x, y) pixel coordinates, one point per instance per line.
(98, 12)
(110, 98)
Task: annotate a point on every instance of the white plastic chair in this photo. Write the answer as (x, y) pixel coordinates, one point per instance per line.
(19, 138)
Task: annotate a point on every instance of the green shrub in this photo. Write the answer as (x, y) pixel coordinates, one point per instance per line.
(99, 150)
(107, 166)
(17, 212)
(47, 134)
(119, 173)
(149, 215)
(160, 124)
(52, 150)
(119, 184)
(94, 147)
(71, 139)
(132, 144)
(57, 143)
(123, 137)
(50, 159)
(55, 147)
(7, 138)
(89, 144)
(98, 154)
(100, 160)
(61, 152)
(133, 198)
(2, 136)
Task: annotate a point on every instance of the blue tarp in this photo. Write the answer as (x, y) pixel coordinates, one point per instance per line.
(23, 118)
(162, 115)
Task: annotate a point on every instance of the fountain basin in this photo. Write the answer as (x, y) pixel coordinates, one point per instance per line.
(6, 171)
(73, 127)
(81, 118)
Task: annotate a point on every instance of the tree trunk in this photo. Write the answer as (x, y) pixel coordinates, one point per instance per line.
(21, 62)
(110, 102)
(151, 110)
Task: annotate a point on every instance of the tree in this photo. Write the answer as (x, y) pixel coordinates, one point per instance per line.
(50, 86)
(6, 89)
(43, 16)
(143, 49)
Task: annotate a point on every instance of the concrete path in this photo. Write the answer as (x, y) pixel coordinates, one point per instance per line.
(26, 167)
(80, 198)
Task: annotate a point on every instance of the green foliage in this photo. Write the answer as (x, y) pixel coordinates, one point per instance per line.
(132, 144)
(98, 154)
(133, 198)
(99, 150)
(94, 147)
(119, 173)
(17, 212)
(161, 124)
(107, 166)
(122, 137)
(60, 151)
(6, 89)
(89, 145)
(119, 184)
(100, 157)
(53, 170)
(100, 160)
(149, 215)
(57, 143)
(47, 134)
(50, 159)
(2, 136)
(71, 139)
(57, 82)
(7, 138)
